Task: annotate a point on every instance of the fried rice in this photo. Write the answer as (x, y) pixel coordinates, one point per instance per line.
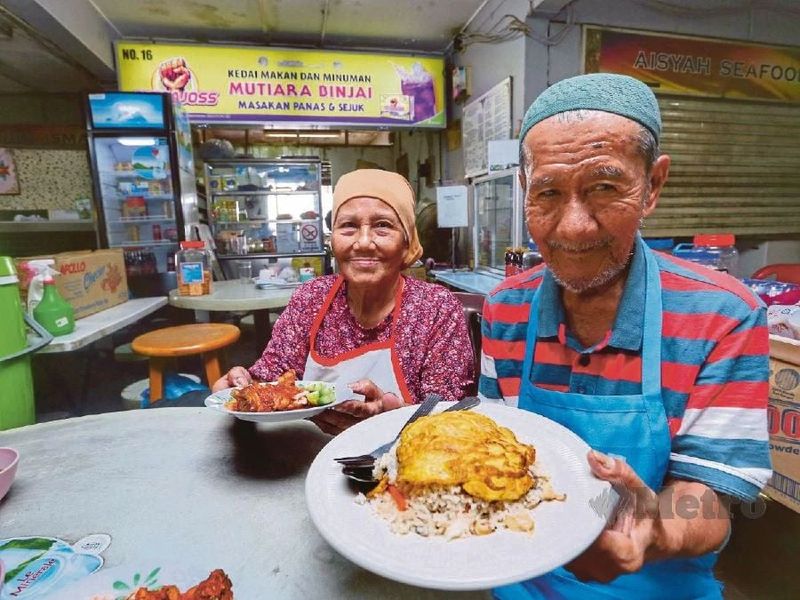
(453, 513)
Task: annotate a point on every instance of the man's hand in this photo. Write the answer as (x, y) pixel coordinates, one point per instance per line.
(344, 415)
(650, 526)
(236, 377)
(623, 547)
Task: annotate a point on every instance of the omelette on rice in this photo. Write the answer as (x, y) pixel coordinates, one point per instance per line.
(457, 474)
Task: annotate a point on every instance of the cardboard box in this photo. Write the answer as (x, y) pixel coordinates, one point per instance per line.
(89, 281)
(784, 432)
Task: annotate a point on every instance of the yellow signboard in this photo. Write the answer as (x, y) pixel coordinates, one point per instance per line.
(223, 84)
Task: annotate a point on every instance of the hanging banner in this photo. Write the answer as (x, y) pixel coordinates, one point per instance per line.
(696, 66)
(224, 84)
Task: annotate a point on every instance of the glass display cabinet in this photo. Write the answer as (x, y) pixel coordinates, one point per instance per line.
(499, 219)
(263, 210)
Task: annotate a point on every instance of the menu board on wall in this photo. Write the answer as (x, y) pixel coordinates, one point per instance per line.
(485, 119)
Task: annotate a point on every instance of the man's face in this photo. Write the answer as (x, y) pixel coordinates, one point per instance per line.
(586, 192)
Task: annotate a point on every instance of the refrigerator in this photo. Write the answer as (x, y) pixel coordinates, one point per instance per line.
(499, 219)
(140, 148)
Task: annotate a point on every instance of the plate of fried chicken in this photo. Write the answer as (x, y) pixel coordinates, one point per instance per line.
(286, 399)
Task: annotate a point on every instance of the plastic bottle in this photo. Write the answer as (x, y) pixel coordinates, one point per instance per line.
(531, 257)
(509, 262)
(53, 312)
(193, 265)
(722, 250)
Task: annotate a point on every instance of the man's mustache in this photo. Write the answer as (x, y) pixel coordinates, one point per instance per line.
(573, 247)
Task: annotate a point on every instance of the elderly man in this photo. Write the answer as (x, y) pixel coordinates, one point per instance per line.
(659, 364)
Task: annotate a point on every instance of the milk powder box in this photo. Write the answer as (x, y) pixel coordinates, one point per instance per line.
(784, 430)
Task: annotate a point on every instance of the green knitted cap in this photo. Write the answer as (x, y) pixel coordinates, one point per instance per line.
(618, 94)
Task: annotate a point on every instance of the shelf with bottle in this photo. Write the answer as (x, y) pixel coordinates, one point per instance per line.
(145, 219)
(143, 243)
(131, 174)
(262, 221)
(125, 198)
(268, 255)
(260, 192)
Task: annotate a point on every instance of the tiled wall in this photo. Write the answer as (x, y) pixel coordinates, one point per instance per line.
(49, 179)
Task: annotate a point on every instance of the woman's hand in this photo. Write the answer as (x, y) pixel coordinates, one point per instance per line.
(236, 377)
(344, 415)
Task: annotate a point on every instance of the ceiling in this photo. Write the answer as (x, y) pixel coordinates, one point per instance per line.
(62, 46)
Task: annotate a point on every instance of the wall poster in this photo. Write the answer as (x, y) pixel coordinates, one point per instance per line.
(486, 118)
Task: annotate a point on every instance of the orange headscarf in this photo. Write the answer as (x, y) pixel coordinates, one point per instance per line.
(391, 188)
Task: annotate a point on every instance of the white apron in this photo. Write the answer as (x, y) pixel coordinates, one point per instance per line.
(377, 362)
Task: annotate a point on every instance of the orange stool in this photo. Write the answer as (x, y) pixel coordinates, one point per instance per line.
(184, 340)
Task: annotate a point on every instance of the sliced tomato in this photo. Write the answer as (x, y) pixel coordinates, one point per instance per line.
(398, 497)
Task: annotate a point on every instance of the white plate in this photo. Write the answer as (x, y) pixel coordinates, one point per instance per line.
(562, 529)
(217, 400)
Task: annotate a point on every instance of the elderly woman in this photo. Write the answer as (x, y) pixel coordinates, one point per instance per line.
(391, 338)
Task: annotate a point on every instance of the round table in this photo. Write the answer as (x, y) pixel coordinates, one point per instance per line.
(233, 295)
(193, 487)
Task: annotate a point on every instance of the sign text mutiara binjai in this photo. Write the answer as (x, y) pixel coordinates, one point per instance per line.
(696, 66)
(224, 84)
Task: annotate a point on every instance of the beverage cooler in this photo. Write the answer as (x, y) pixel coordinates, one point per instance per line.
(266, 212)
(144, 183)
(499, 217)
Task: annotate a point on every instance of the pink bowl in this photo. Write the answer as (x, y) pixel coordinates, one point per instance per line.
(8, 469)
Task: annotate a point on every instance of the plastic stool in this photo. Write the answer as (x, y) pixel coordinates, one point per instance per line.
(184, 340)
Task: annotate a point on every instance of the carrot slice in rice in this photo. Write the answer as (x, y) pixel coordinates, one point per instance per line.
(398, 497)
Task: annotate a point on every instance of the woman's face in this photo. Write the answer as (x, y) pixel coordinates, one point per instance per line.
(368, 242)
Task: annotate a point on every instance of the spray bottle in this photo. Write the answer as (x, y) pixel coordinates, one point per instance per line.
(45, 304)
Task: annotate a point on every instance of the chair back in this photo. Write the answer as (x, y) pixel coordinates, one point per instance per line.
(784, 272)
(473, 306)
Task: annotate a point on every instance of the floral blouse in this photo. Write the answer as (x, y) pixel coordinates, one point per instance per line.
(432, 341)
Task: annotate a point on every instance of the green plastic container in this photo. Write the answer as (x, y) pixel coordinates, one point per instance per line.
(16, 381)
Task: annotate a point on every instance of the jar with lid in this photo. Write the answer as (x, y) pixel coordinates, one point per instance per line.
(193, 267)
(721, 249)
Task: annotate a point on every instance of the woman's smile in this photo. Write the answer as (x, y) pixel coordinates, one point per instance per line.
(365, 261)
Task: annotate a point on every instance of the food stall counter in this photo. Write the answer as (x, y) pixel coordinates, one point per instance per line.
(469, 281)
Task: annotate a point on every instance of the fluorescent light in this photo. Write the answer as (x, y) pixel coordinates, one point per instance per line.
(137, 141)
(320, 135)
(304, 135)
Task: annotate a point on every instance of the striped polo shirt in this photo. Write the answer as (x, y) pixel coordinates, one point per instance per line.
(714, 363)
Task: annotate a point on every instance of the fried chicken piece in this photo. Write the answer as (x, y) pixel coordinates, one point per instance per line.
(259, 397)
(217, 586)
(168, 592)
